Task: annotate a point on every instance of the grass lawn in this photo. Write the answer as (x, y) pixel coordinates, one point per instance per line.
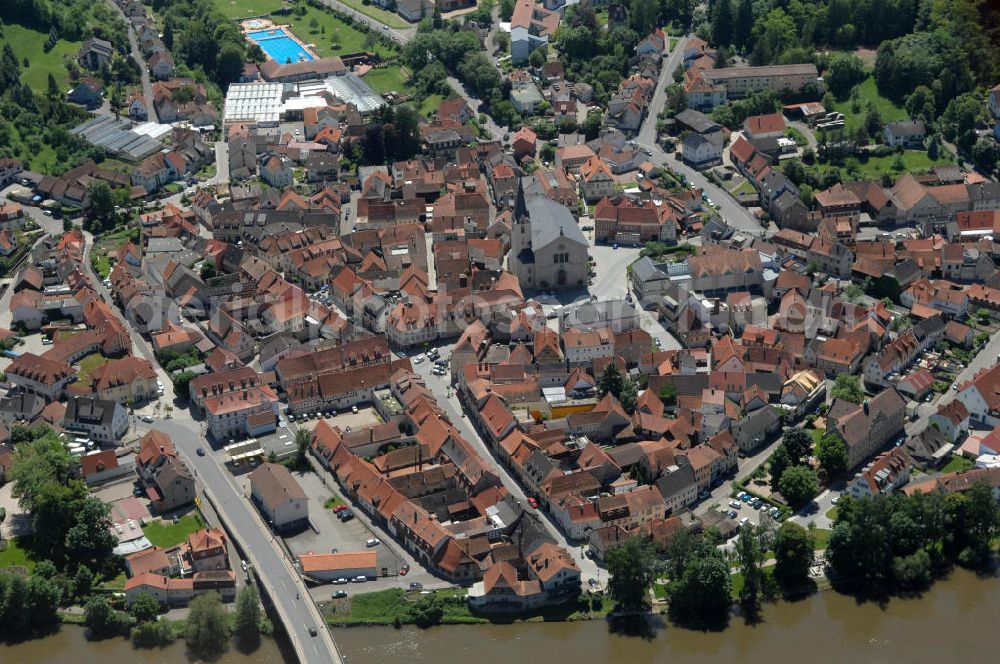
(816, 434)
(821, 537)
(744, 188)
(116, 583)
(107, 243)
(868, 91)
(351, 40)
(165, 534)
(333, 501)
(388, 78)
(244, 8)
(832, 514)
(854, 168)
(27, 45)
(388, 18)
(15, 555)
(42, 159)
(88, 364)
(102, 265)
(957, 464)
(378, 608)
(430, 105)
(386, 606)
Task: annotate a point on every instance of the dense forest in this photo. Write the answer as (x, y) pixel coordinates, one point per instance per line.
(200, 37)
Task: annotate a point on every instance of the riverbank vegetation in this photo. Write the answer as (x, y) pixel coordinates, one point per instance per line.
(878, 547)
(69, 553)
(902, 543)
(448, 607)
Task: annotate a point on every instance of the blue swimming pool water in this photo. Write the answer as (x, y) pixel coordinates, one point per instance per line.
(278, 46)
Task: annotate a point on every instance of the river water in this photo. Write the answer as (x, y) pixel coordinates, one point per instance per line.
(955, 621)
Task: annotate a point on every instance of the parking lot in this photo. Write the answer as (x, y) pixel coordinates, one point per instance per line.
(364, 417)
(329, 533)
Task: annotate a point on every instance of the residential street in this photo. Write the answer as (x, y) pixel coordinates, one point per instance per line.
(401, 35)
(496, 131)
(147, 86)
(262, 550)
(732, 212)
(441, 387)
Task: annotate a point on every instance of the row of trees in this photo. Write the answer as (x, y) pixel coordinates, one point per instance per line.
(611, 381)
(201, 37)
(779, 31)
(71, 527)
(207, 628)
(902, 542)
(29, 122)
(698, 578)
(790, 471)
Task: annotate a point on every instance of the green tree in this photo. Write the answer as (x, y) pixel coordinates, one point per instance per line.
(793, 554)
(797, 443)
(303, 439)
(207, 633)
(41, 601)
(848, 388)
(90, 539)
(102, 619)
(795, 171)
(13, 598)
(798, 484)
(982, 518)
(912, 572)
(537, 58)
(722, 23)
(247, 621)
(43, 486)
(743, 24)
(506, 9)
(633, 568)
(621, 387)
(777, 465)
(920, 104)
(668, 395)
(427, 611)
(933, 148)
(984, 154)
(702, 595)
(145, 608)
(860, 549)
(773, 35)
(843, 72)
(83, 581)
(751, 559)
(873, 121)
(99, 207)
(207, 270)
(831, 452)
(152, 634)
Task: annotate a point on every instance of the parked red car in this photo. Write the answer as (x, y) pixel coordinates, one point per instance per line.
(339, 508)
(533, 502)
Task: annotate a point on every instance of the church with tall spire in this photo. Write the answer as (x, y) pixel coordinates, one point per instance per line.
(548, 249)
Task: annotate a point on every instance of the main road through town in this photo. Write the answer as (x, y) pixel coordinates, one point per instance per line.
(732, 212)
(280, 580)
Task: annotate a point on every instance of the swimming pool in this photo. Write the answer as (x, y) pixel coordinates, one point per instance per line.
(279, 46)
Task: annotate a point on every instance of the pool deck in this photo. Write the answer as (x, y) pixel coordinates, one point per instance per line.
(262, 24)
